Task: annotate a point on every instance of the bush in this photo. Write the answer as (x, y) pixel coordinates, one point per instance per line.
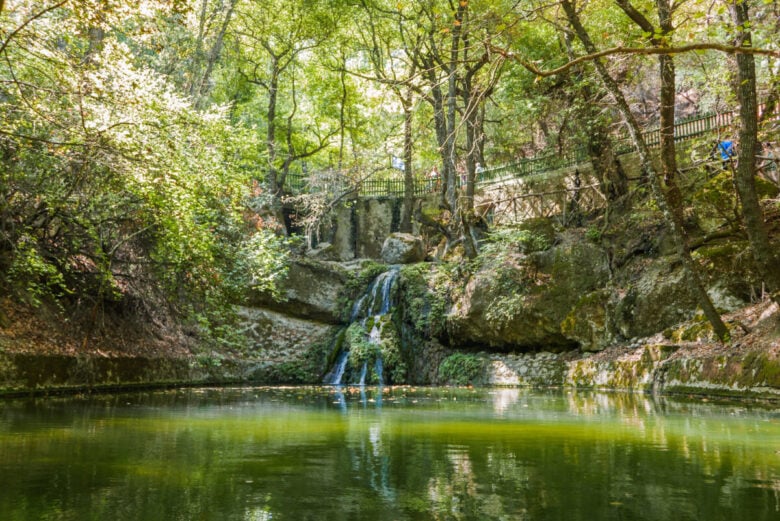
(461, 369)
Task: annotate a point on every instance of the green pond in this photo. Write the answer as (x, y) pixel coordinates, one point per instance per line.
(310, 453)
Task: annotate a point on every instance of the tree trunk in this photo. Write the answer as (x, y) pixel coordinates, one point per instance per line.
(765, 257)
(670, 207)
(408, 203)
(270, 136)
(213, 56)
(611, 177)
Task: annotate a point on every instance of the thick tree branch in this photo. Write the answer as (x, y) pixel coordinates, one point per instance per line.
(728, 49)
(636, 16)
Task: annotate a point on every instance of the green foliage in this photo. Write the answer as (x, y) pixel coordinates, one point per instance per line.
(462, 369)
(511, 259)
(361, 350)
(425, 294)
(365, 348)
(112, 183)
(593, 234)
(42, 279)
(531, 236)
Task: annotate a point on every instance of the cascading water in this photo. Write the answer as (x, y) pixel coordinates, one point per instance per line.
(370, 313)
(336, 373)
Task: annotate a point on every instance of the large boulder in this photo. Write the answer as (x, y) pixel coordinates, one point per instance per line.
(588, 321)
(313, 290)
(284, 349)
(403, 248)
(374, 222)
(661, 295)
(523, 301)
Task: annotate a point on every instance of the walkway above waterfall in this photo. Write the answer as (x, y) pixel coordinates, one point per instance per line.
(541, 165)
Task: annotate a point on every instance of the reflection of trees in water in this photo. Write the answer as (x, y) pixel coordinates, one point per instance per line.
(522, 456)
(452, 490)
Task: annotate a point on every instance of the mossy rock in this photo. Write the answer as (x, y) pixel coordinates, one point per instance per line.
(521, 302)
(424, 299)
(541, 230)
(587, 321)
(716, 200)
(729, 261)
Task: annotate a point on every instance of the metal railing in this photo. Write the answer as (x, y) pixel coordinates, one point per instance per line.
(684, 129)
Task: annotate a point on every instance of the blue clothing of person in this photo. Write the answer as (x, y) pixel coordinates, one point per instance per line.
(726, 149)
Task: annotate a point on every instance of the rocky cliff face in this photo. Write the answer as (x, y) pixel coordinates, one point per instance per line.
(565, 297)
(750, 367)
(521, 300)
(486, 322)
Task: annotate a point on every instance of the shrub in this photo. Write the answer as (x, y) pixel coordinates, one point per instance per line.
(461, 369)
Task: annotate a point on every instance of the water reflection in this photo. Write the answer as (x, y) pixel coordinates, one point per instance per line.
(503, 399)
(387, 453)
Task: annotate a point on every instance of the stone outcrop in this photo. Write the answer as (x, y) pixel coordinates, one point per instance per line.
(403, 248)
(312, 290)
(522, 302)
(283, 349)
(652, 367)
(660, 297)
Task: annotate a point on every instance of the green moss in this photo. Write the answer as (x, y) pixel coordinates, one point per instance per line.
(766, 189)
(337, 346)
(356, 285)
(758, 370)
(461, 369)
(362, 350)
(587, 321)
(425, 297)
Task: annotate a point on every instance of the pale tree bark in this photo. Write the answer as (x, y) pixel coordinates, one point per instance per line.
(199, 90)
(765, 256)
(404, 89)
(408, 202)
(668, 204)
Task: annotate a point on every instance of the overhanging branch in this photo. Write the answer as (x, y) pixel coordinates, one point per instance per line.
(728, 49)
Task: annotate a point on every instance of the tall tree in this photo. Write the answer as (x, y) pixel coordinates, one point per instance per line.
(668, 201)
(388, 52)
(766, 258)
(272, 53)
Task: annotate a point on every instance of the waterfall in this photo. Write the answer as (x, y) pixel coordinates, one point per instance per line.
(336, 373)
(378, 368)
(363, 371)
(373, 305)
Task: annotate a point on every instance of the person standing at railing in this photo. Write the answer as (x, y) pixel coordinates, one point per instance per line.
(726, 151)
(433, 179)
(478, 170)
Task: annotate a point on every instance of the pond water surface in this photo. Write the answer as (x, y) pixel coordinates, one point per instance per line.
(391, 454)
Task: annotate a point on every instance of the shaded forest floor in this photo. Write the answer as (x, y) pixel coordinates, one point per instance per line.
(44, 331)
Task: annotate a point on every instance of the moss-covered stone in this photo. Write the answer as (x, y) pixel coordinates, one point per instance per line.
(518, 301)
(587, 321)
(313, 290)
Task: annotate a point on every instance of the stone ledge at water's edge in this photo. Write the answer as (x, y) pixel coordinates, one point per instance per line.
(657, 368)
(280, 350)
